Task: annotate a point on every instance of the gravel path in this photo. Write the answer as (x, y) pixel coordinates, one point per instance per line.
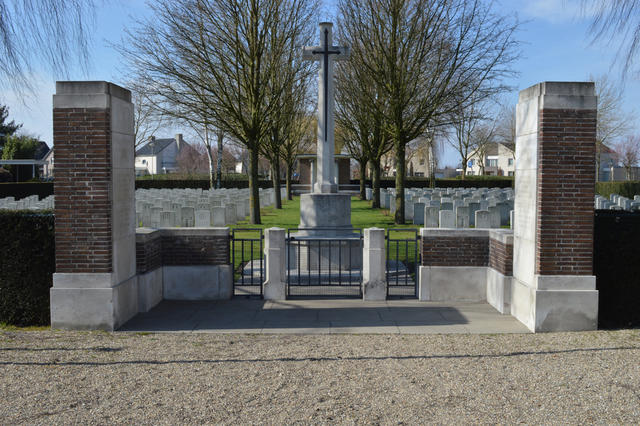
(95, 377)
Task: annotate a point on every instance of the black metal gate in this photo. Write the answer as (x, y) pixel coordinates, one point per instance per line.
(247, 258)
(403, 259)
(323, 263)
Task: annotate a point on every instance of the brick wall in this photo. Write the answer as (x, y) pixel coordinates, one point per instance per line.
(501, 257)
(455, 251)
(160, 249)
(149, 254)
(82, 190)
(195, 250)
(566, 185)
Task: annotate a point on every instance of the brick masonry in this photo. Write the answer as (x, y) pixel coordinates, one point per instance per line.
(566, 187)
(468, 251)
(455, 251)
(177, 250)
(82, 138)
(501, 257)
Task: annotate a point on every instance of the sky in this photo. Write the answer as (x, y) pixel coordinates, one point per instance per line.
(555, 47)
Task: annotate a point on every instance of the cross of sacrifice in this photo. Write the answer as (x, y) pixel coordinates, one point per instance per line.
(326, 53)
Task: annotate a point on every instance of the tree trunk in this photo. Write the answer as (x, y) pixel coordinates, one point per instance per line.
(464, 169)
(207, 145)
(219, 165)
(211, 171)
(432, 167)
(400, 172)
(363, 175)
(288, 180)
(254, 191)
(275, 178)
(375, 183)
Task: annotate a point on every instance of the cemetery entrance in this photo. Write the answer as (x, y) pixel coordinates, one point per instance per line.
(324, 262)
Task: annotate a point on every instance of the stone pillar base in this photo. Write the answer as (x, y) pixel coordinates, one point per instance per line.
(453, 283)
(91, 301)
(374, 283)
(556, 309)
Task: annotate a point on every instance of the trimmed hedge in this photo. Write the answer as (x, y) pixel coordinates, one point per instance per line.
(423, 182)
(626, 189)
(27, 264)
(199, 183)
(25, 189)
(616, 267)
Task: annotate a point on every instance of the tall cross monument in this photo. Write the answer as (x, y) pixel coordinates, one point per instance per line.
(326, 53)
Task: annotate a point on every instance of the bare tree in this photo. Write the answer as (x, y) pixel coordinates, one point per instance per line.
(147, 119)
(471, 134)
(617, 22)
(423, 55)
(612, 121)
(54, 32)
(300, 139)
(360, 117)
(628, 153)
(215, 58)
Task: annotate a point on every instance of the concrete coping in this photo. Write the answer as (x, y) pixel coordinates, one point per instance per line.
(504, 236)
(561, 95)
(148, 234)
(82, 88)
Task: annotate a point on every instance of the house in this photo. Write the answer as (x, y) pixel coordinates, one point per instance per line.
(46, 169)
(495, 159)
(417, 160)
(159, 155)
(307, 172)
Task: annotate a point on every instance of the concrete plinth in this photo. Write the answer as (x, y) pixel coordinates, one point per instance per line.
(374, 283)
(325, 211)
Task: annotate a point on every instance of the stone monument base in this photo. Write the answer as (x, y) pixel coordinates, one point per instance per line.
(325, 218)
(325, 211)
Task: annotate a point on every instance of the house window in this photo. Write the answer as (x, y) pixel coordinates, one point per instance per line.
(422, 161)
(511, 161)
(492, 163)
(469, 172)
(144, 161)
(510, 173)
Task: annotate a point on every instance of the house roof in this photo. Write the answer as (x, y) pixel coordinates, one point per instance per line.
(158, 146)
(605, 149)
(41, 151)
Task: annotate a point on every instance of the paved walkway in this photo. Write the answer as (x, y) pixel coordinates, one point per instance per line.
(348, 316)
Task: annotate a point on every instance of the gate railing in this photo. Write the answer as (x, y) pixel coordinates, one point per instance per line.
(324, 265)
(403, 259)
(247, 258)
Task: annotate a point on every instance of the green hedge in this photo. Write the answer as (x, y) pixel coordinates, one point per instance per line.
(27, 264)
(468, 182)
(627, 189)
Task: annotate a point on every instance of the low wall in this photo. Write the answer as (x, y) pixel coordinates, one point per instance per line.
(182, 264)
(467, 265)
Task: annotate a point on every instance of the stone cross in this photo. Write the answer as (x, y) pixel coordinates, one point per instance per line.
(326, 53)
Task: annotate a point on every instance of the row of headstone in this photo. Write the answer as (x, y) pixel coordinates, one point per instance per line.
(29, 203)
(460, 205)
(617, 202)
(163, 208)
(159, 208)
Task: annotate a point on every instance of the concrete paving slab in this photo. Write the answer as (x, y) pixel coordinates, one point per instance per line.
(324, 316)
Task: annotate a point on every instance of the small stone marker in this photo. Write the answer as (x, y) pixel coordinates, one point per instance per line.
(203, 219)
(431, 216)
(446, 219)
(483, 219)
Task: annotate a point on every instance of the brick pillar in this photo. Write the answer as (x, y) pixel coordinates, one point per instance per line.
(95, 283)
(553, 287)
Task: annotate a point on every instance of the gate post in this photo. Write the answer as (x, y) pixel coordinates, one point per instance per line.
(95, 284)
(275, 285)
(374, 284)
(554, 288)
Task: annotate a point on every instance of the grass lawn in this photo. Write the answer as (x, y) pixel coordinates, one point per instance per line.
(362, 216)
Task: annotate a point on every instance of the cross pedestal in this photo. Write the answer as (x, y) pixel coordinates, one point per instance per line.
(325, 212)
